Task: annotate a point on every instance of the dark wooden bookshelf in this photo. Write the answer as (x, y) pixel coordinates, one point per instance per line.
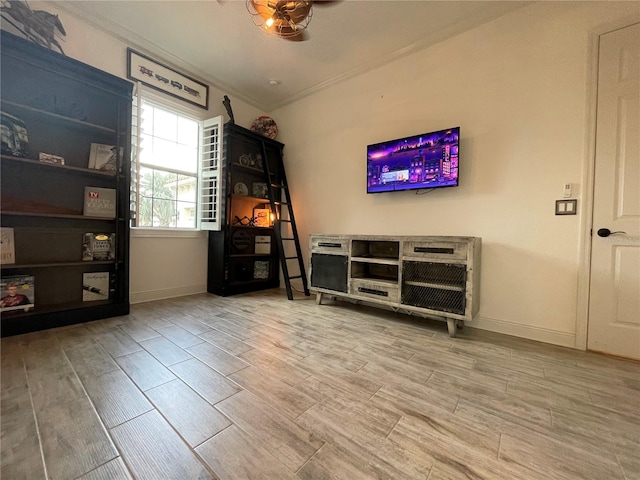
(65, 106)
(232, 257)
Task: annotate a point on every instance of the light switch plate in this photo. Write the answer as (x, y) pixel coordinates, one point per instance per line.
(566, 207)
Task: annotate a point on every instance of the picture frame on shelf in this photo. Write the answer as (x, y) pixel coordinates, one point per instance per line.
(51, 159)
(165, 79)
(240, 189)
(262, 217)
(259, 189)
(15, 139)
(261, 269)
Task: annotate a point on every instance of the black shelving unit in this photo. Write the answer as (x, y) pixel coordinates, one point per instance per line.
(65, 106)
(234, 264)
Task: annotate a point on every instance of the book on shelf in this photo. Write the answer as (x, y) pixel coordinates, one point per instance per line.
(103, 157)
(261, 269)
(17, 293)
(95, 286)
(263, 244)
(99, 202)
(98, 246)
(7, 246)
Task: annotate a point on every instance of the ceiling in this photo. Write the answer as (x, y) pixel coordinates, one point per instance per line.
(217, 41)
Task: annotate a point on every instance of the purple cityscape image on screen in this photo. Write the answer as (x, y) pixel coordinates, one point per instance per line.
(428, 160)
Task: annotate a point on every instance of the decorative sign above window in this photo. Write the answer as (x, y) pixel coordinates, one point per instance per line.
(165, 79)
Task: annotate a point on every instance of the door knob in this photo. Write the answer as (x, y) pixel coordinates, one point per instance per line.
(605, 232)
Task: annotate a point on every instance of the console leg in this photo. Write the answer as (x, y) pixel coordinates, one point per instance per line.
(451, 325)
(318, 298)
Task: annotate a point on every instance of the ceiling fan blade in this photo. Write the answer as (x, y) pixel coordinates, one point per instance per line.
(325, 3)
(302, 36)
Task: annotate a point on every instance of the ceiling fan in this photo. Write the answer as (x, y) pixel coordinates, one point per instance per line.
(286, 19)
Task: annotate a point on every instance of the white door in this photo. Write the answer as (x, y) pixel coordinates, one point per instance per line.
(614, 298)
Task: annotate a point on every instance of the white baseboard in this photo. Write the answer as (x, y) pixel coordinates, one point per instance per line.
(539, 334)
(151, 295)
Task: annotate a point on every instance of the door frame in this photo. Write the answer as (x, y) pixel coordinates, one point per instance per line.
(588, 176)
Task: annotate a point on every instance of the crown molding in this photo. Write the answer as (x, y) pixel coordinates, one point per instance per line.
(426, 42)
(143, 45)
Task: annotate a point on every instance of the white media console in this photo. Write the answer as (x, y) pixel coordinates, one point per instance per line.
(433, 277)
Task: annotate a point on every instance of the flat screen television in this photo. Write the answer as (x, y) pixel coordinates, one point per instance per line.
(428, 160)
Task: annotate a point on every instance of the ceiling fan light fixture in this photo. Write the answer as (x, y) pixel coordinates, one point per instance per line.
(281, 18)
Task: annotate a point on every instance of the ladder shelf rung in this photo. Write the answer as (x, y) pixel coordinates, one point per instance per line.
(278, 181)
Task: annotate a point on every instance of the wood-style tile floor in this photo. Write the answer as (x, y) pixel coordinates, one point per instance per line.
(256, 386)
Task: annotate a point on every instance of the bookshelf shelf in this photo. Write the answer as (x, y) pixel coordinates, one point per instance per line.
(85, 171)
(69, 309)
(15, 266)
(249, 198)
(55, 117)
(76, 216)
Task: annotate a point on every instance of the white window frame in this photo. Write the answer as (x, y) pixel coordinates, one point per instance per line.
(142, 93)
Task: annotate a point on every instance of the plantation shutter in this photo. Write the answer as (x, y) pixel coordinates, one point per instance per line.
(209, 173)
(136, 110)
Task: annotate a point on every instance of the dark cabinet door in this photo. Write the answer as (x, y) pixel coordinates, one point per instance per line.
(329, 271)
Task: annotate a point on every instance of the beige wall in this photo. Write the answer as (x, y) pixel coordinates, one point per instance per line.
(519, 88)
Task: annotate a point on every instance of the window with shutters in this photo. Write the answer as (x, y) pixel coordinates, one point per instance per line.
(175, 168)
